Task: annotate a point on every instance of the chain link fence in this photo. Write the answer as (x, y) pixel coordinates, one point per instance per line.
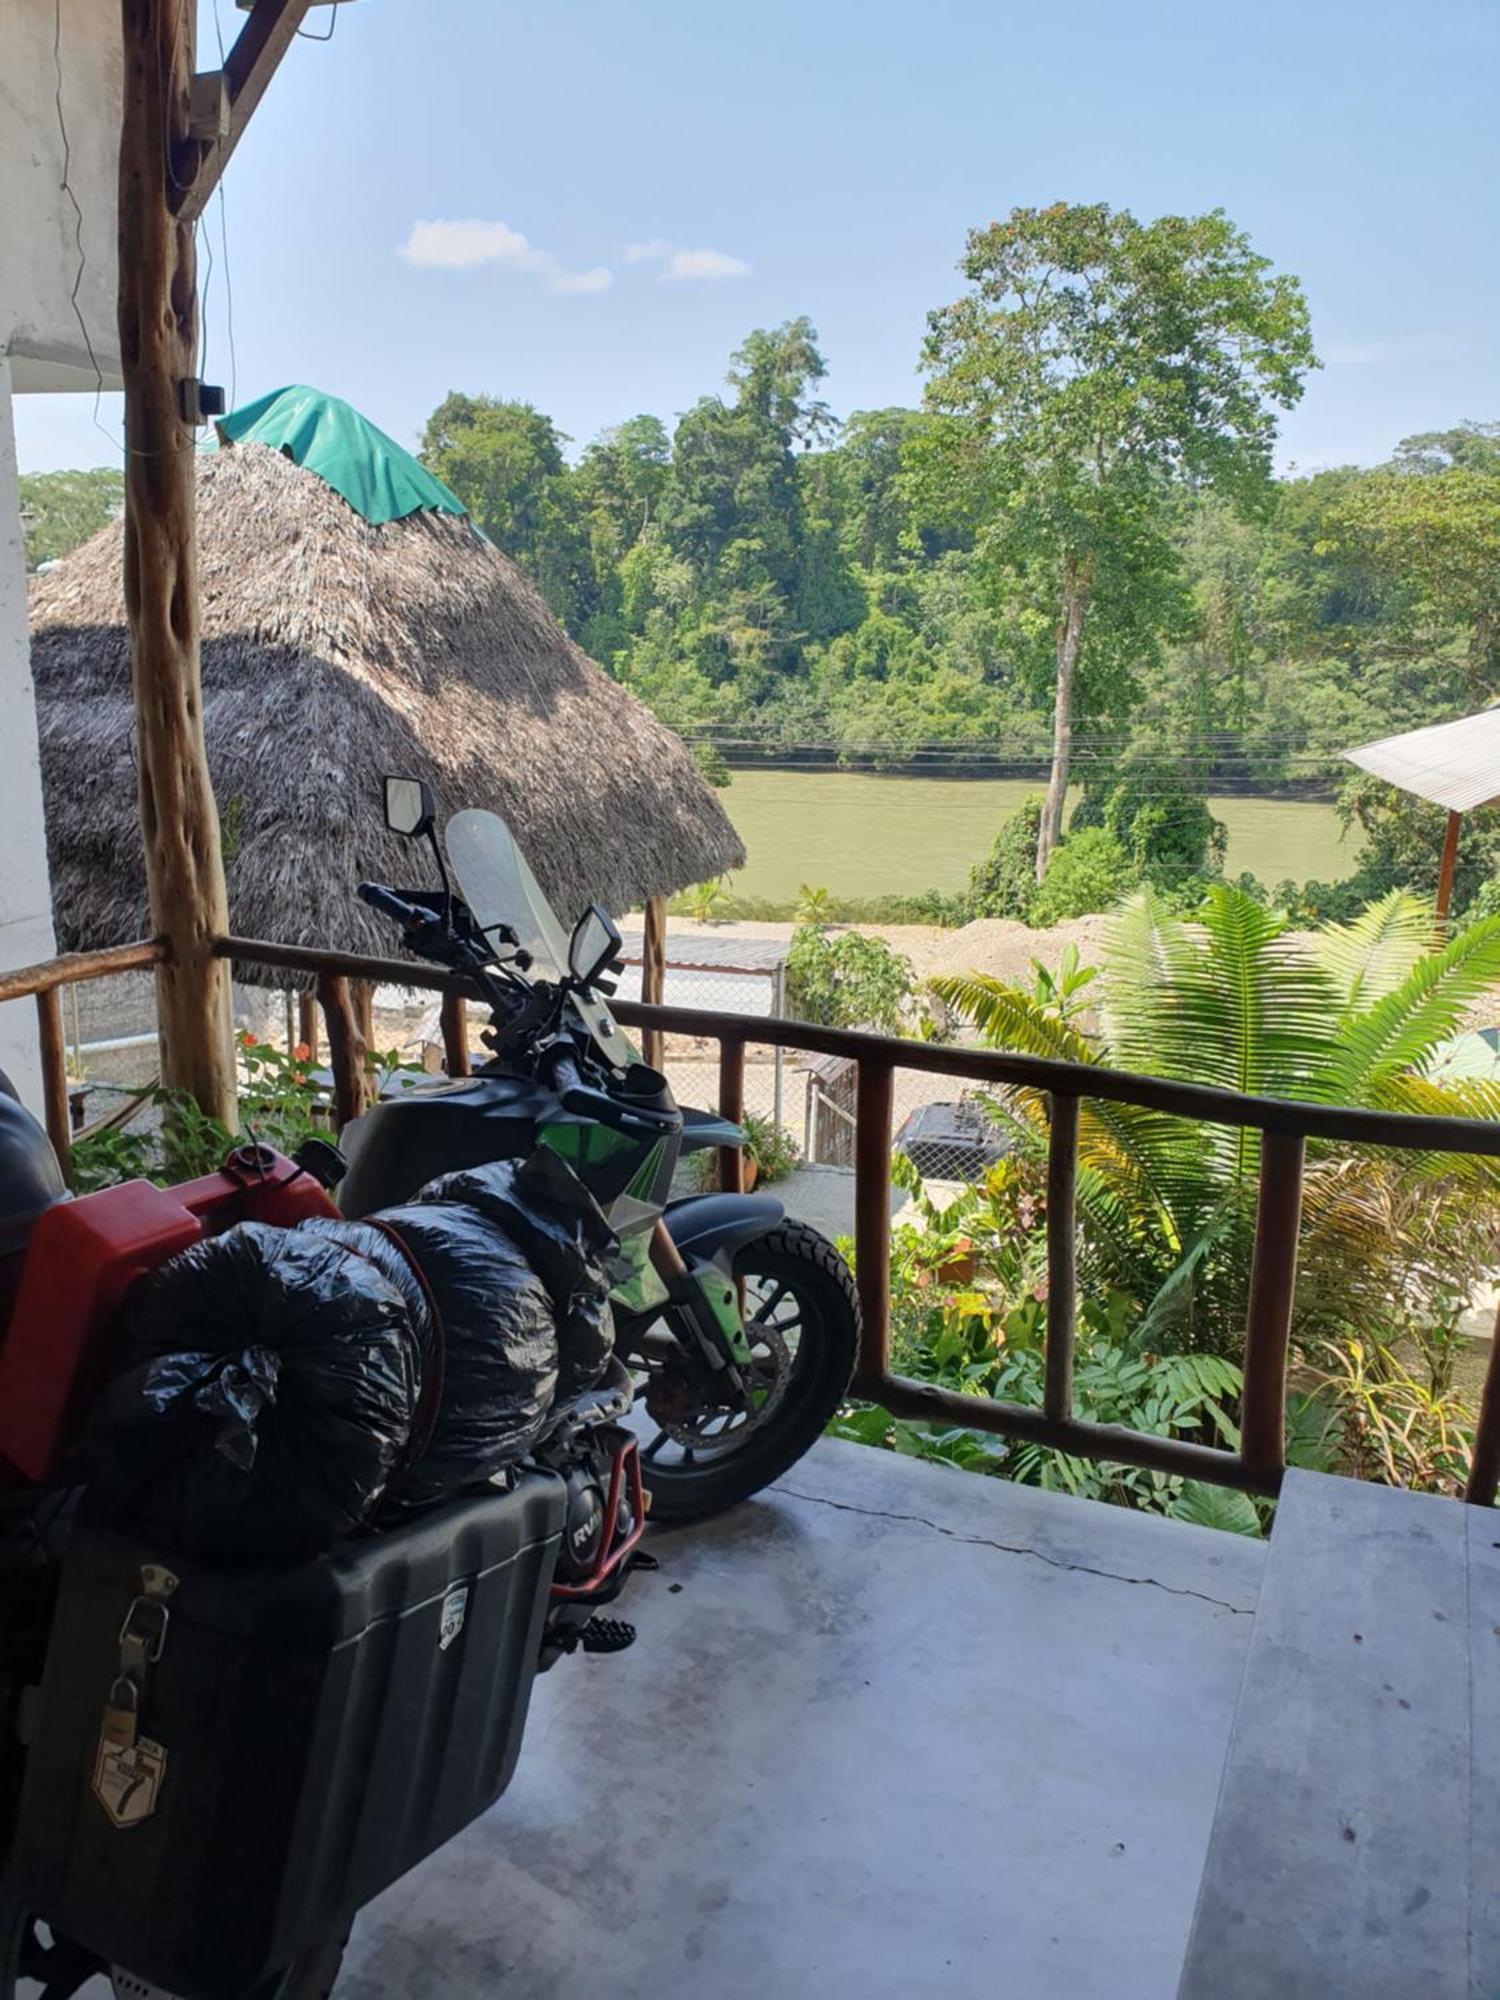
(799, 1107)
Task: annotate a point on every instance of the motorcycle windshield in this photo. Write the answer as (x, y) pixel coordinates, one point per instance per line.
(500, 889)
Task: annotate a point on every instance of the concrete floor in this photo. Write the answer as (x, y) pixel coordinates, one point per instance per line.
(889, 1729)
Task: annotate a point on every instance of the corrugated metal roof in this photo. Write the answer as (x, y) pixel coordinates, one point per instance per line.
(1454, 764)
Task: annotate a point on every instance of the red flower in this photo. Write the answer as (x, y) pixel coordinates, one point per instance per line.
(302, 1052)
(247, 1040)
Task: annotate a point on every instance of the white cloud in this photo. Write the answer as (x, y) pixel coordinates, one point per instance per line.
(686, 264)
(706, 264)
(460, 246)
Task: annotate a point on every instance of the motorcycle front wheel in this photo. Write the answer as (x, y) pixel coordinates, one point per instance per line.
(801, 1316)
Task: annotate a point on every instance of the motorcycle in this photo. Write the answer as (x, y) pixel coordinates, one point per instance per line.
(735, 1330)
(740, 1325)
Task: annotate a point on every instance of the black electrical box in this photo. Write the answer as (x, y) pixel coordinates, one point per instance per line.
(311, 1732)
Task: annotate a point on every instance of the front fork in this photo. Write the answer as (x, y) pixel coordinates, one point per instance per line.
(710, 1304)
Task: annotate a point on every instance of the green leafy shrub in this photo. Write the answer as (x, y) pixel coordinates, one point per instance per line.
(1090, 871)
(846, 980)
(1004, 883)
(1159, 817)
(968, 1311)
(1167, 1207)
(281, 1104)
(773, 1149)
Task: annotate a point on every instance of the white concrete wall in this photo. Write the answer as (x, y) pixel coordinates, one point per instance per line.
(25, 898)
(40, 231)
(57, 267)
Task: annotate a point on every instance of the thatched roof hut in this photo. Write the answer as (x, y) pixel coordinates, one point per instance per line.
(335, 650)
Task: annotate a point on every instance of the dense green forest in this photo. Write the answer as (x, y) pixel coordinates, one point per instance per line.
(1073, 556)
(777, 582)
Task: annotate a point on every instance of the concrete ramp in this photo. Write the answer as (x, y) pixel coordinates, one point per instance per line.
(1356, 1844)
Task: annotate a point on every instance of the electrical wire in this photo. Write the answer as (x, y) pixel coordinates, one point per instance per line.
(66, 187)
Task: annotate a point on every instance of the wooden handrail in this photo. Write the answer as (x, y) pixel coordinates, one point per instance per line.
(73, 968)
(1286, 1123)
(1406, 1131)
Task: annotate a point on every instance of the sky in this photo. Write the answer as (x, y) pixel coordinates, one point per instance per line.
(587, 204)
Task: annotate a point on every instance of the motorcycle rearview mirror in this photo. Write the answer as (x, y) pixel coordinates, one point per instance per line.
(595, 942)
(410, 808)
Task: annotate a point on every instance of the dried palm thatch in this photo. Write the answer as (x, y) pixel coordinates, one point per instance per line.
(334, 651)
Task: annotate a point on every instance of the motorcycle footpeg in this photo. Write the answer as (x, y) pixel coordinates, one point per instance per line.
(607, 1635)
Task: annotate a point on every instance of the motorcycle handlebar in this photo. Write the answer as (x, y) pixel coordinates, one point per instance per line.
(389, 903)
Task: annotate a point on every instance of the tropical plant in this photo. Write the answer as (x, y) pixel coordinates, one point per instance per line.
(847, 980)
(968, 1311)
(706, 900)
(1089, 871)
(1166, 1207)
(814, 905)
(773, 1149)
(1381, 1421)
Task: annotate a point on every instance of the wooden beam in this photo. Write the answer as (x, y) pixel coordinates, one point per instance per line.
(1062, 1276)
(1484, 1467)
(72, 968)
(455, 1020)
(732, 1108)
(654, 975)
(875, 1087)
(1447, 865)
(158, 312)
(54, 1060)
(248, 68)
(346, 1048)
(1268, 1330)
(307, 1024)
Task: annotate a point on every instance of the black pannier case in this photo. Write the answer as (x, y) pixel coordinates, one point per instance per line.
(325, 1725)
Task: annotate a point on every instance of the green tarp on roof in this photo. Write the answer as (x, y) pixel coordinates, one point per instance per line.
(365, 467)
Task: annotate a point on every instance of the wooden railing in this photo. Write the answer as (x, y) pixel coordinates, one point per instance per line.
(45, 982)
(1286, 1126)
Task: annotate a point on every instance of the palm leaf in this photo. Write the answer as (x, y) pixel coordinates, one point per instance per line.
(1371, 956)
(1403, 1029)
(1221, 1507)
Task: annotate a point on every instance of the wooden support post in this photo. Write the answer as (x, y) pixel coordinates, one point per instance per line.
(54, 1057)
(1273, 1278)
(158, 314)
(654, 974)
(346, 1048)
(1062, 1174)
(1484, 1467)
(307, 1024)
(1447, 865)
(873, 1101)
(455, 1017)
(732, 1107)
(362, 999)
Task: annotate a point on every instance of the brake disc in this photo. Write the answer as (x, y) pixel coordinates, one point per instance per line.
(670, 1404)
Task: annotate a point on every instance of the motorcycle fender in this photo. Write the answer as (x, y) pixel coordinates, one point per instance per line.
(709, 1228)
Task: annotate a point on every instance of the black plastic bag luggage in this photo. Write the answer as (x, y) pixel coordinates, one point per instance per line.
(499, 1338)
(542, 1206)
(268, 1384)
(322, 1727)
